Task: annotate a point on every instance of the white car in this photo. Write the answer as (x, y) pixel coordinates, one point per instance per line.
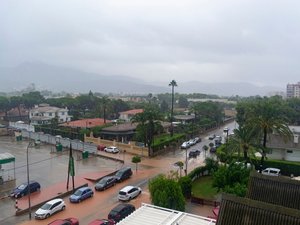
(111, 149)
(129, 192)
(50, 208)
(185, 145)
(271, 172)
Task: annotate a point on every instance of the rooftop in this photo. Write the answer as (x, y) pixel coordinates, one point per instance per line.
(86, 123)
(154, 215)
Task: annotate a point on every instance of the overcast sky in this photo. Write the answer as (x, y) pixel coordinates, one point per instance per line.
(256, 41)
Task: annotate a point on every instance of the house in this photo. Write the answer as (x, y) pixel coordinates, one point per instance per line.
(285, 149)
(44, 114)
(185, 119)
(16, 114)
(127, 115)
(124, 132)
(85, 123)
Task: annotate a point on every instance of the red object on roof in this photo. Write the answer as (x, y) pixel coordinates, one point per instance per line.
(132, 112)
(86, 123)
(216, 211)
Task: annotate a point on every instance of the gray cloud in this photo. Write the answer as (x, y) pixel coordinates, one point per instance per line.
(208, 40)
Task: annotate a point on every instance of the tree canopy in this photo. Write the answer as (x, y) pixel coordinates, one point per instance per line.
(166, 193)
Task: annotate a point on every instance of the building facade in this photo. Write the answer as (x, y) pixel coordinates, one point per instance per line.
(44, 114)
(293, 90)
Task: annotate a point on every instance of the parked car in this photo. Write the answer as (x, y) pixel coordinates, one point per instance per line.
(50, 208)
(121, 211)
(123, 174)
(105, 183)
(111, 149)
(211, 137)
(185, 145)
(67, 221)
(129, 192)
(81, 194)
(101, 147)
(192, 142)
(271, 172)
(22, 189)
(194, 153)
(197, 139)
(102, 222)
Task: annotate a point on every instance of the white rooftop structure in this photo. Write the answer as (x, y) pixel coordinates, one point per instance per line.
(154, 215)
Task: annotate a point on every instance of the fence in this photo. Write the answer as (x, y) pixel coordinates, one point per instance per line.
(131, 147)
(65, 142)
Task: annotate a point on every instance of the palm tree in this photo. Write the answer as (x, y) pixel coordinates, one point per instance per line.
(173, 84)
(267, 118)
(244, 139)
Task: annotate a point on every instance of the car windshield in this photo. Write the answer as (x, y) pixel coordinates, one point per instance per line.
(22, 187)
(78, 192)
(46, 206)
(103, 181)
(122, 193)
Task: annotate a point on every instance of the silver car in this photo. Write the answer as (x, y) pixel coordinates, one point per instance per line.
(129, 192)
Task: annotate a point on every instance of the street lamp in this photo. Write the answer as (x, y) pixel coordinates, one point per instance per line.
(186, 162)
(30, 144)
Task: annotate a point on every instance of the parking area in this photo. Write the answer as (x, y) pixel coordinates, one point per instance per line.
(48, 167)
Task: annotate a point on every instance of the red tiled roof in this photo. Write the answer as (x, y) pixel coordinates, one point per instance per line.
(86, 123)
(132, 112)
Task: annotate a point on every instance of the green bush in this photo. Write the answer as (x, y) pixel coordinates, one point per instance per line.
(186, 186)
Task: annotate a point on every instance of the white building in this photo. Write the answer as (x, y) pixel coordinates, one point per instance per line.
(43, 114)
(293, 90)
(285, 149)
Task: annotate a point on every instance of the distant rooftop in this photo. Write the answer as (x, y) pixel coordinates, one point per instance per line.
(86, 123)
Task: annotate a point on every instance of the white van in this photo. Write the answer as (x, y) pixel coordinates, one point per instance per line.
(271, 171)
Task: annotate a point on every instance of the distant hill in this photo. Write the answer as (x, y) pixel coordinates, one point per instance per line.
(57, 79)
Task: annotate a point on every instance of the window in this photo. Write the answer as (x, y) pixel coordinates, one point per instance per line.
(63, 113)
(50, 114)
(289, 151)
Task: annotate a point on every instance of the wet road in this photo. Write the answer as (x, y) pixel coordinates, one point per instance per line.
(49, 168)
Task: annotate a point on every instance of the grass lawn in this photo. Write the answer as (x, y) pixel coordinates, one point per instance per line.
(202, 188)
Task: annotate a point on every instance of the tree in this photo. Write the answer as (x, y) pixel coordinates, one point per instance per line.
(183, 102)
(267, 116)
(205, 148)
(166, 193)
(186, 186)
(136, 159)
(244, 139)
(232, 178)
(164, 107)
(148, 123)
(173, 84)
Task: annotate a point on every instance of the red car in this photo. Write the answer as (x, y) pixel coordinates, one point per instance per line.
(102, 222)
(101, 147)
(68, 221)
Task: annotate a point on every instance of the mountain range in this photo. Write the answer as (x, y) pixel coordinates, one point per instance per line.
(57, 79)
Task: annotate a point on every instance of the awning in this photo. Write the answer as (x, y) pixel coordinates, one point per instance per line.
(6, 158)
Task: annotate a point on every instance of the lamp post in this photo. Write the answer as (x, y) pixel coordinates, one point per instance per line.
(28, 182)
(186, 162)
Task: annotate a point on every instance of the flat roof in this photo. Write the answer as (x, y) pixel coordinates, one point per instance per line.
(154, 215)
